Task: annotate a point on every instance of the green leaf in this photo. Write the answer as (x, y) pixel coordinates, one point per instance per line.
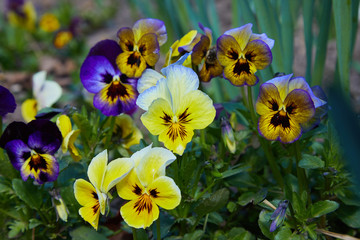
(308, 10)
(86, 233)
(216, 201)
(264, 224)
(323, 207)
(284, 233)
(255, 198)
(194, 235)
(28, 192)
(311, 162)
(34, 223)
(349, 215)
(17, 227)
(237, 233)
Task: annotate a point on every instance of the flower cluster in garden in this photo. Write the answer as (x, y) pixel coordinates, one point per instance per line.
(121, 78)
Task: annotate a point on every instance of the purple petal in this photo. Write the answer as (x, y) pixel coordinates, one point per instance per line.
(108, 49)
(15, 130)
(7, 102)
(273, 226)
(18, 153)
(43, 142)
(95, 72)
(45, 126)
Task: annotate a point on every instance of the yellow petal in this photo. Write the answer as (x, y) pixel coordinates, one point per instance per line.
(268, 100)
(165, 193)
(299, 106)
(267, 129)
(126, 39)
(149, 49)
(130, 187)
(116, 170)
(72, 149)
(291, 133)
(242, 34)
(85, 193)
(132, 64)
(135, 138)
(140, 212)
(64, 124)
(153, 165)
(49, 22)
(90, 214)
(150, 25)
(29, 109)
(97, 169)
(62, 210)
(282, 84)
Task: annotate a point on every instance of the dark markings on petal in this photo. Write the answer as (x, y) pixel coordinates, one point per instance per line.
(26, 155)
(37, 162)
(124, 78)
(43, 177)
(183, 118)
(233, 54)
(137, 190)
(176, 130)
(133, 59)
(129, 46)
(166, 118)
(241, 66)
(154, 193)
(96, 207)
(144, 203)
(290, 109)
(274, 105)
(249, 56)
(107, 78)
(142, 49)
(95, 196)
(280, 118)
(117, 89)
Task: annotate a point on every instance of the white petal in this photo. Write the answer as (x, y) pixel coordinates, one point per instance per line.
(148, 79)
(160, 90)
(97, 168)
(49, 93)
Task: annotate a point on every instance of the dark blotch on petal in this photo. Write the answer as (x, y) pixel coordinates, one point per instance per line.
(280, 119)
(154, 193)
(137, 190)
(117, 89)
(241, 66)
(133, 59)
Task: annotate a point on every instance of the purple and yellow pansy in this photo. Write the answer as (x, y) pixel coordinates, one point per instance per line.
(140, 46)
(31, 148)
(115, 92)
(203, 50)
(284, 103)
(21, 13)
(242, 53)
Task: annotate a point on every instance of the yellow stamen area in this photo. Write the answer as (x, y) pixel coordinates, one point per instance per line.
(144, 203)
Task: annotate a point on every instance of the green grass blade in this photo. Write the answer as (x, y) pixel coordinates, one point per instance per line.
(354, 23)
(342, 17)
(308, 9)
(247, 15)
(287, 34)
(213, 18)
(270, 25)
(321, 44)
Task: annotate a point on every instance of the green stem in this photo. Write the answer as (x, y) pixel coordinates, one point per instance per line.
(205, 222)
(264, 144)
(110, 133)
(158, 233)
(301, 175)
(134, 233)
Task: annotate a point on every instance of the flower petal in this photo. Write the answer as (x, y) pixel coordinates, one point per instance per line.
(241, 73)
(49, 94)
(168, 195)
(15, 131)
(91, 214)
(97, 168)
(290, 134)
(7, 102)
(140, 213)
(228, 50)
(259, 53)
(282, 84)
(148, 79)
(153, 165)
(126, 39)
(299, 106)
(150, 25)
(109, 49)
(29, 109)
(116, 170)
(241, 34)
(18, 153)
(64, 124)
(300, 83)
(209, 71)
(132, 64)
(149, 49)
(266, 128)
(263, 37)
(160, 90)
(44, 142)
(268, 99)
(130, 187)
(200, 50)
(95, 73)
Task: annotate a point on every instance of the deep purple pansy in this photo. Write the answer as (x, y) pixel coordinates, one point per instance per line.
(7, 102)
(31, 148)
(115, 93)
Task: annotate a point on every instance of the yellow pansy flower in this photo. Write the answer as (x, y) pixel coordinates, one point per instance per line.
(49, 22)
(146, 187)
(126, 130)
(69, 136)
(93, 195)
(174, 107)
(46, 93)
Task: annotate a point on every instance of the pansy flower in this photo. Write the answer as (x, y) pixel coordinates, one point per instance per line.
(64, 36)
(147, 188)
(140, 45)
(45, 94)
(49, 23)
(7, 102)
(174, 106)
(31, 148)
(182, 46)
(114, 91)
(93, 195)
(204, 50)
(242, 53)
(284, 103)
(21, 13)
(69, 136)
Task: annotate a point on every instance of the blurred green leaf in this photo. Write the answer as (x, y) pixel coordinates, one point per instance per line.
(311, 162)
(33, 223)
(349, 215)
(308, 10)
(17, 227)
(194, 235)
(323, 207)
(284, 233)
(86, 233)
(213, 203)
(264, 224)
(28, 192)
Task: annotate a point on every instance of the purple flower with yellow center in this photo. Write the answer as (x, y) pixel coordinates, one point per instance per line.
(7, 102)
(204, 51)
(31, 148)
(284, 103)
(242, 53)
(114, 91)
(140, 46)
